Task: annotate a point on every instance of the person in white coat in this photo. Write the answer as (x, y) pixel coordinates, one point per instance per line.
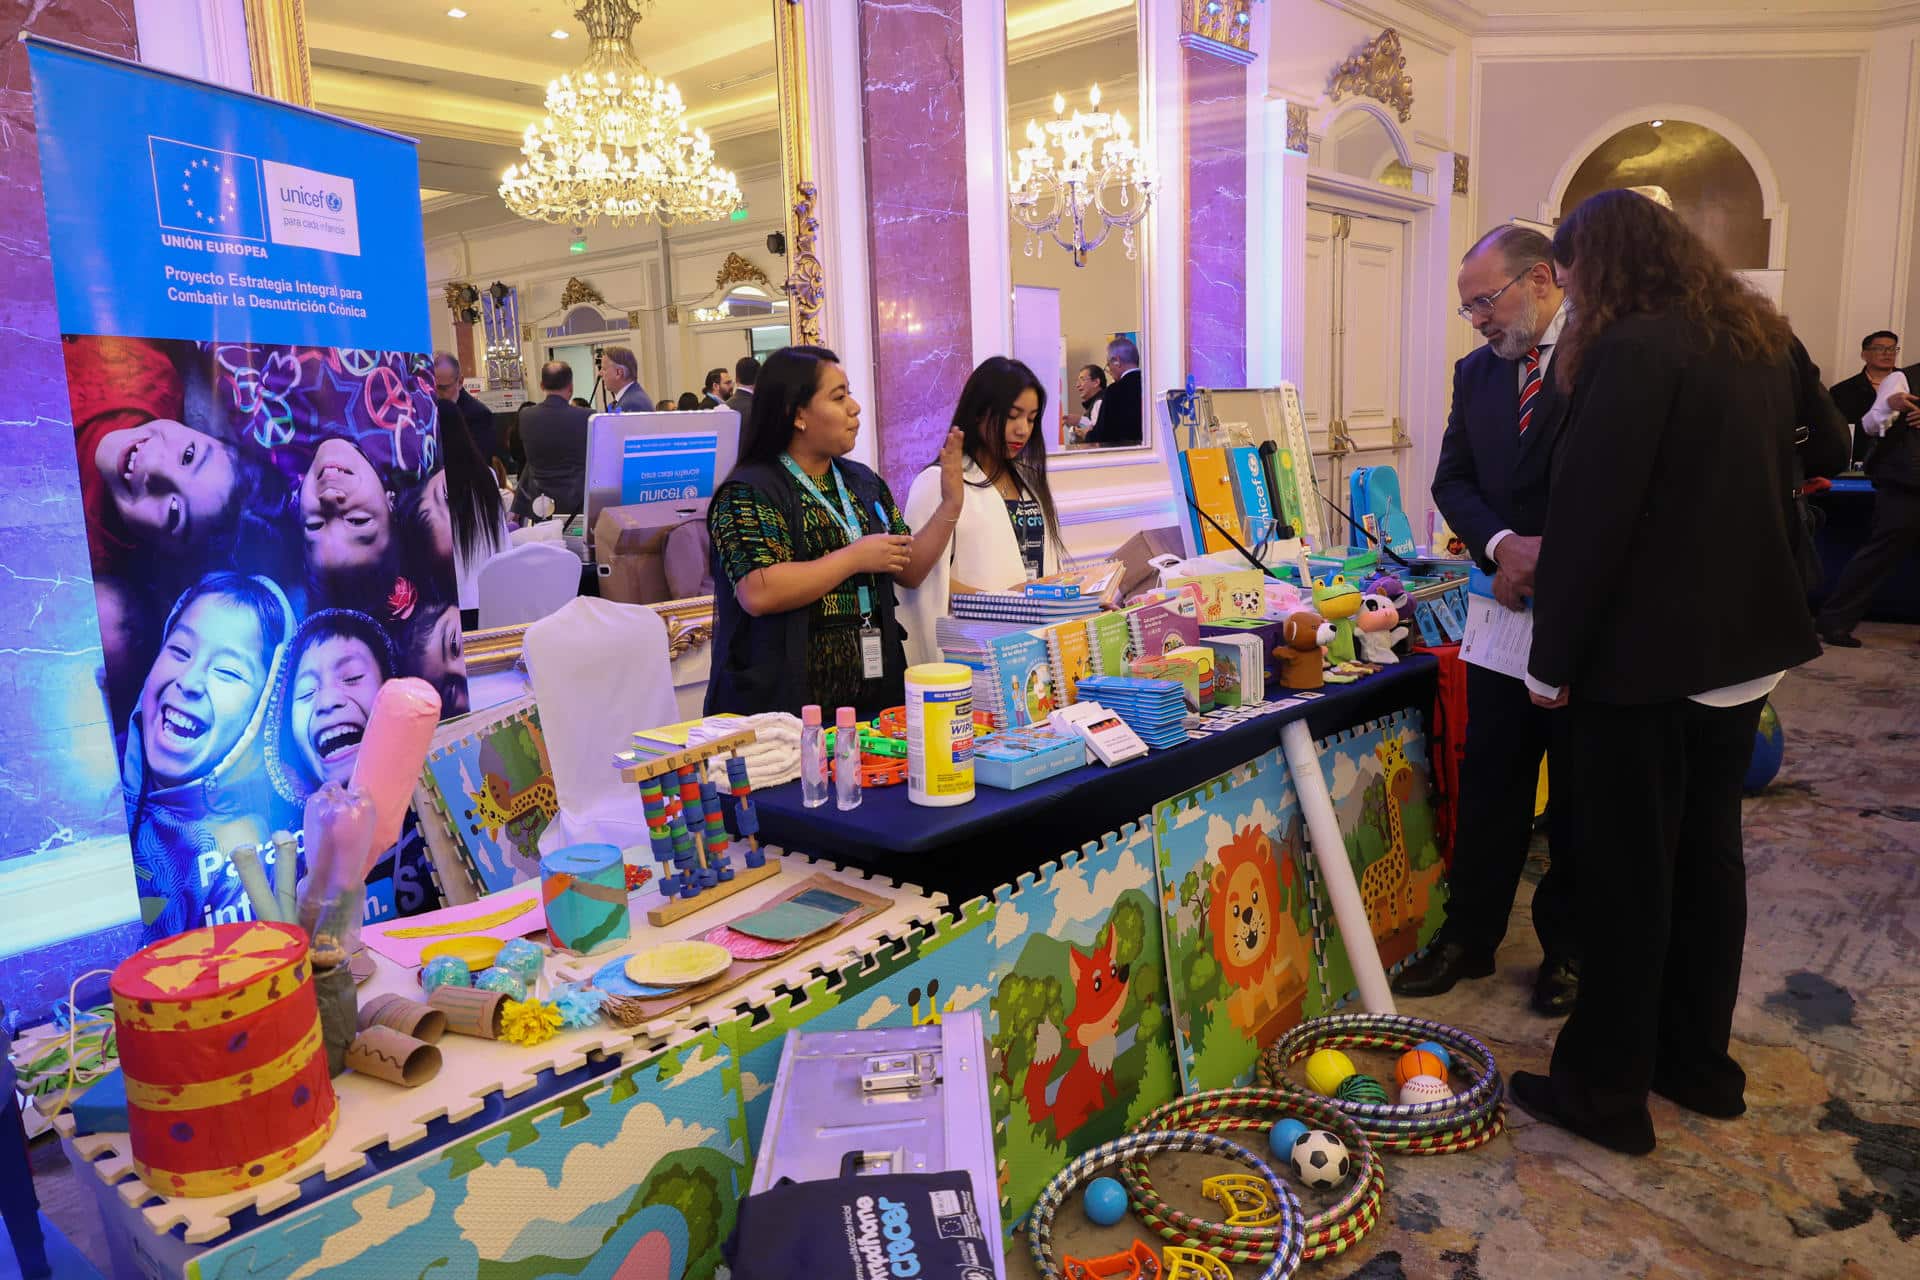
(1007, 532)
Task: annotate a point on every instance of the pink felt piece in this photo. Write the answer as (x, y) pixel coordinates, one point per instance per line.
(392, 753)
(742, 947)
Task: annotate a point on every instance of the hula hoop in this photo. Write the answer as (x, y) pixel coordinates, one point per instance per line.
(1470, 1118)
(1328, 1233)
(1289, 1242)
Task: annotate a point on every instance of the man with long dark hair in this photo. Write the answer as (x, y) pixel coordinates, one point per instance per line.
(1679, 446)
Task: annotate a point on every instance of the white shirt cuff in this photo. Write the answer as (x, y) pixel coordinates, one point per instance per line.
(1547, 691)
(1494, 541)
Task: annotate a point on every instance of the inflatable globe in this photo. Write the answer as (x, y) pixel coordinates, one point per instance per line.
(1769, 748)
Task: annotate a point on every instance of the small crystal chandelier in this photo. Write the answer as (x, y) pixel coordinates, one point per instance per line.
(1076, 183)
(614, 143)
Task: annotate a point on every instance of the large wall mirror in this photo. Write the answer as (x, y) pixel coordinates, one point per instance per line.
(1078, 318)
(687, 297)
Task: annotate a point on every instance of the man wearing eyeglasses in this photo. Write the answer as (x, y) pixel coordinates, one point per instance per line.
(1879, 356)
(1491, 485)
(1886, 440)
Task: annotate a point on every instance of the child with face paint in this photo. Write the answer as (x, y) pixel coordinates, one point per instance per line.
(337, 662)
(193, 766)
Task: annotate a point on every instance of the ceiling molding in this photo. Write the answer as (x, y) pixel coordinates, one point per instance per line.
(1682, 21)
(1085, 31)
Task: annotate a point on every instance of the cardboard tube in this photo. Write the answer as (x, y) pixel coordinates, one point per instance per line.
(246, 863)
(409, 1017)
(1330, 852)
(470, 1011)
(386, 1054)
(286, 864)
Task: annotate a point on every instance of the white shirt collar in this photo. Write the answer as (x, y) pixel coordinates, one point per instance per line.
(1559, 321)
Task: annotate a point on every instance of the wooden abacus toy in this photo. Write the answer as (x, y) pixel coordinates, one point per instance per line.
(686, 825)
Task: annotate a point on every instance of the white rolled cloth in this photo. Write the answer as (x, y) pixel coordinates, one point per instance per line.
(772, 758)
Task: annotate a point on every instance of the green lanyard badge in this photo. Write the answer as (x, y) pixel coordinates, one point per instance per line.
(847, 518)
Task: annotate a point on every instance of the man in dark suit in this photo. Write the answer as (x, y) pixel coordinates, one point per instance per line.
(554, 434)
(620, 370)
(746, 370)
(1879, 356)
(1491, 485)
(718, 387)
(1119, 421)
(449, 385)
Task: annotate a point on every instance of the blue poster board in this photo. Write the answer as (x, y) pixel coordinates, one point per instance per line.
(667, 468)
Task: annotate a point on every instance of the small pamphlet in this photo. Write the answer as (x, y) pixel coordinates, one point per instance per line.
(1497, 638)
(1105, 733)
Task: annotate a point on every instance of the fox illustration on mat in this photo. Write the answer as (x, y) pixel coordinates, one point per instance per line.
(1093, 1027)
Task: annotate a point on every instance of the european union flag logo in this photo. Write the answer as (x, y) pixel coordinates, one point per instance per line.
(207, 192)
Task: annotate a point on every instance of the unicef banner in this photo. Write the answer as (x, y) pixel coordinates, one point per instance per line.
(242, 299)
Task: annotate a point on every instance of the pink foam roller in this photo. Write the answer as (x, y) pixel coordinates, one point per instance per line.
(392, 753)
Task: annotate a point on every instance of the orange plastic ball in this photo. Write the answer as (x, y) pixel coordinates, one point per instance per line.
(1418, 1062)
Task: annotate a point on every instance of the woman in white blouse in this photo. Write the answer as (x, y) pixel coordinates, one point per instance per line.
(1007, 532)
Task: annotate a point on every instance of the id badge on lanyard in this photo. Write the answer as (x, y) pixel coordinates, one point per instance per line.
(872, 659)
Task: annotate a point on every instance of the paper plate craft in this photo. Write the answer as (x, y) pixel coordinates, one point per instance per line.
(679, 964)
(745, 947)
(514, 913)
(477, 950)
(612, 978)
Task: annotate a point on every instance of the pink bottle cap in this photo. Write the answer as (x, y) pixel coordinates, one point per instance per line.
(843, 718)
(810, 714)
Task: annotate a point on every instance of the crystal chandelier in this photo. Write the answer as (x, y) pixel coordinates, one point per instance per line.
(1078, 185)
(614, 143)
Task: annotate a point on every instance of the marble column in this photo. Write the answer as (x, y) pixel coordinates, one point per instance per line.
(1215, 78)
(914, 134)
(59, 786)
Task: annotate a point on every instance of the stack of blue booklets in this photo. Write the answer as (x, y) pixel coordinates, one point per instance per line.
(1154, 709)
(1033, 604)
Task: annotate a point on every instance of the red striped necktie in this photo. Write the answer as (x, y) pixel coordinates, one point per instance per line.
(1530, 389)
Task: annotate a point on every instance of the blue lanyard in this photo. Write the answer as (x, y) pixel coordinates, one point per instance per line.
(847, 518)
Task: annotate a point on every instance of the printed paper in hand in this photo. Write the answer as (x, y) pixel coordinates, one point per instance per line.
(1497, 638)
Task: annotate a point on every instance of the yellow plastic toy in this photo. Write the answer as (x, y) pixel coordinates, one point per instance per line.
(478, 950)
(1247, 1199)
(1195, 1264)
(1326, 1068)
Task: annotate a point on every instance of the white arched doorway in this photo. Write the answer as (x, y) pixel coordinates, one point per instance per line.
(1772, 207)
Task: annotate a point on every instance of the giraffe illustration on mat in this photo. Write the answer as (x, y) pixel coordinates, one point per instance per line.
(1386, 886)
(496, 806)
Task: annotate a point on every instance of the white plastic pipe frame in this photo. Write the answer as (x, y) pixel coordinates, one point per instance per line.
(1330, 851)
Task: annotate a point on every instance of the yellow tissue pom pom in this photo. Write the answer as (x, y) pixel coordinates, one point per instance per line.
(528, 1022)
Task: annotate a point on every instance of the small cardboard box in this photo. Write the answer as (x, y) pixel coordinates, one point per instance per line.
(1142, 547)
(647, 550)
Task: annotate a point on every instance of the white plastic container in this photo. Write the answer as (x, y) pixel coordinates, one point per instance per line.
(939, 734)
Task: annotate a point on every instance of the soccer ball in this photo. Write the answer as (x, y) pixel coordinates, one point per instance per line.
(1321, 1159)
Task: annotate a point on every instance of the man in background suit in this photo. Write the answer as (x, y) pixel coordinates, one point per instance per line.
(745, 371)
(1879, 356)
(1119, 421)
(620, 370)
(1491, 485)
(718, 387)
(448, 384)
(554, 434)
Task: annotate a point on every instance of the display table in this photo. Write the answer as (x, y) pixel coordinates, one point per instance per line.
(969, 850)
(1848, 508)
(482, 1083)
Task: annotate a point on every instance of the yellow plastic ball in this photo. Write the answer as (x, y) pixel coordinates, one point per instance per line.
(1326, 1068)
(1418, 1062)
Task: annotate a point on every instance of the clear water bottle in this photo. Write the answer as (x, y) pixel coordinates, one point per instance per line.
(846, 759)
(813, 758)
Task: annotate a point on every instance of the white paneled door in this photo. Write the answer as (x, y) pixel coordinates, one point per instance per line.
(1356, 278)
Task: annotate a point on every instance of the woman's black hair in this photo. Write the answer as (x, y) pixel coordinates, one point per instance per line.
(473, 492)
(986, 402)
(788, 381)
(688, 401)
(413, 636)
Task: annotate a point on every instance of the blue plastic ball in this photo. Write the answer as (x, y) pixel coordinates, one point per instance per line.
(1438, 1050)
(1105, 1201)
(1769, 749)
(1283, 1135)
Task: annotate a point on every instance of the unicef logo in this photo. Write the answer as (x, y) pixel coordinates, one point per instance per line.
(334, 202)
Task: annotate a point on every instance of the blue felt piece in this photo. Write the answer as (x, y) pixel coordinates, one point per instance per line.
(103, 1107)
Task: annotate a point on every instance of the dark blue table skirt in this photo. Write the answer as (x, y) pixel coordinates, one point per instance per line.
(970, 850)
(1849, 518)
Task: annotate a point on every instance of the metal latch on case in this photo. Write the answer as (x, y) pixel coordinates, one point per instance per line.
(899, 1072)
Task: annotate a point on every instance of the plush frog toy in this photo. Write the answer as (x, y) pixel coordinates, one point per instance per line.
(1338, 600)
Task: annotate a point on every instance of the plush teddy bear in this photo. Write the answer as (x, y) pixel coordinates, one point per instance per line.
(1302, 651)
(1378, 630)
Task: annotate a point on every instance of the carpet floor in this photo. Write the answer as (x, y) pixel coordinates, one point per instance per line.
(1820, 1179)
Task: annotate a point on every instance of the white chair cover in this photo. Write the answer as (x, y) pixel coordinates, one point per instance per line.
(600, 671)
(526, 583)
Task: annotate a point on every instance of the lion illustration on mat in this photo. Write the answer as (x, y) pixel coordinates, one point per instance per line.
(1245, 913)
